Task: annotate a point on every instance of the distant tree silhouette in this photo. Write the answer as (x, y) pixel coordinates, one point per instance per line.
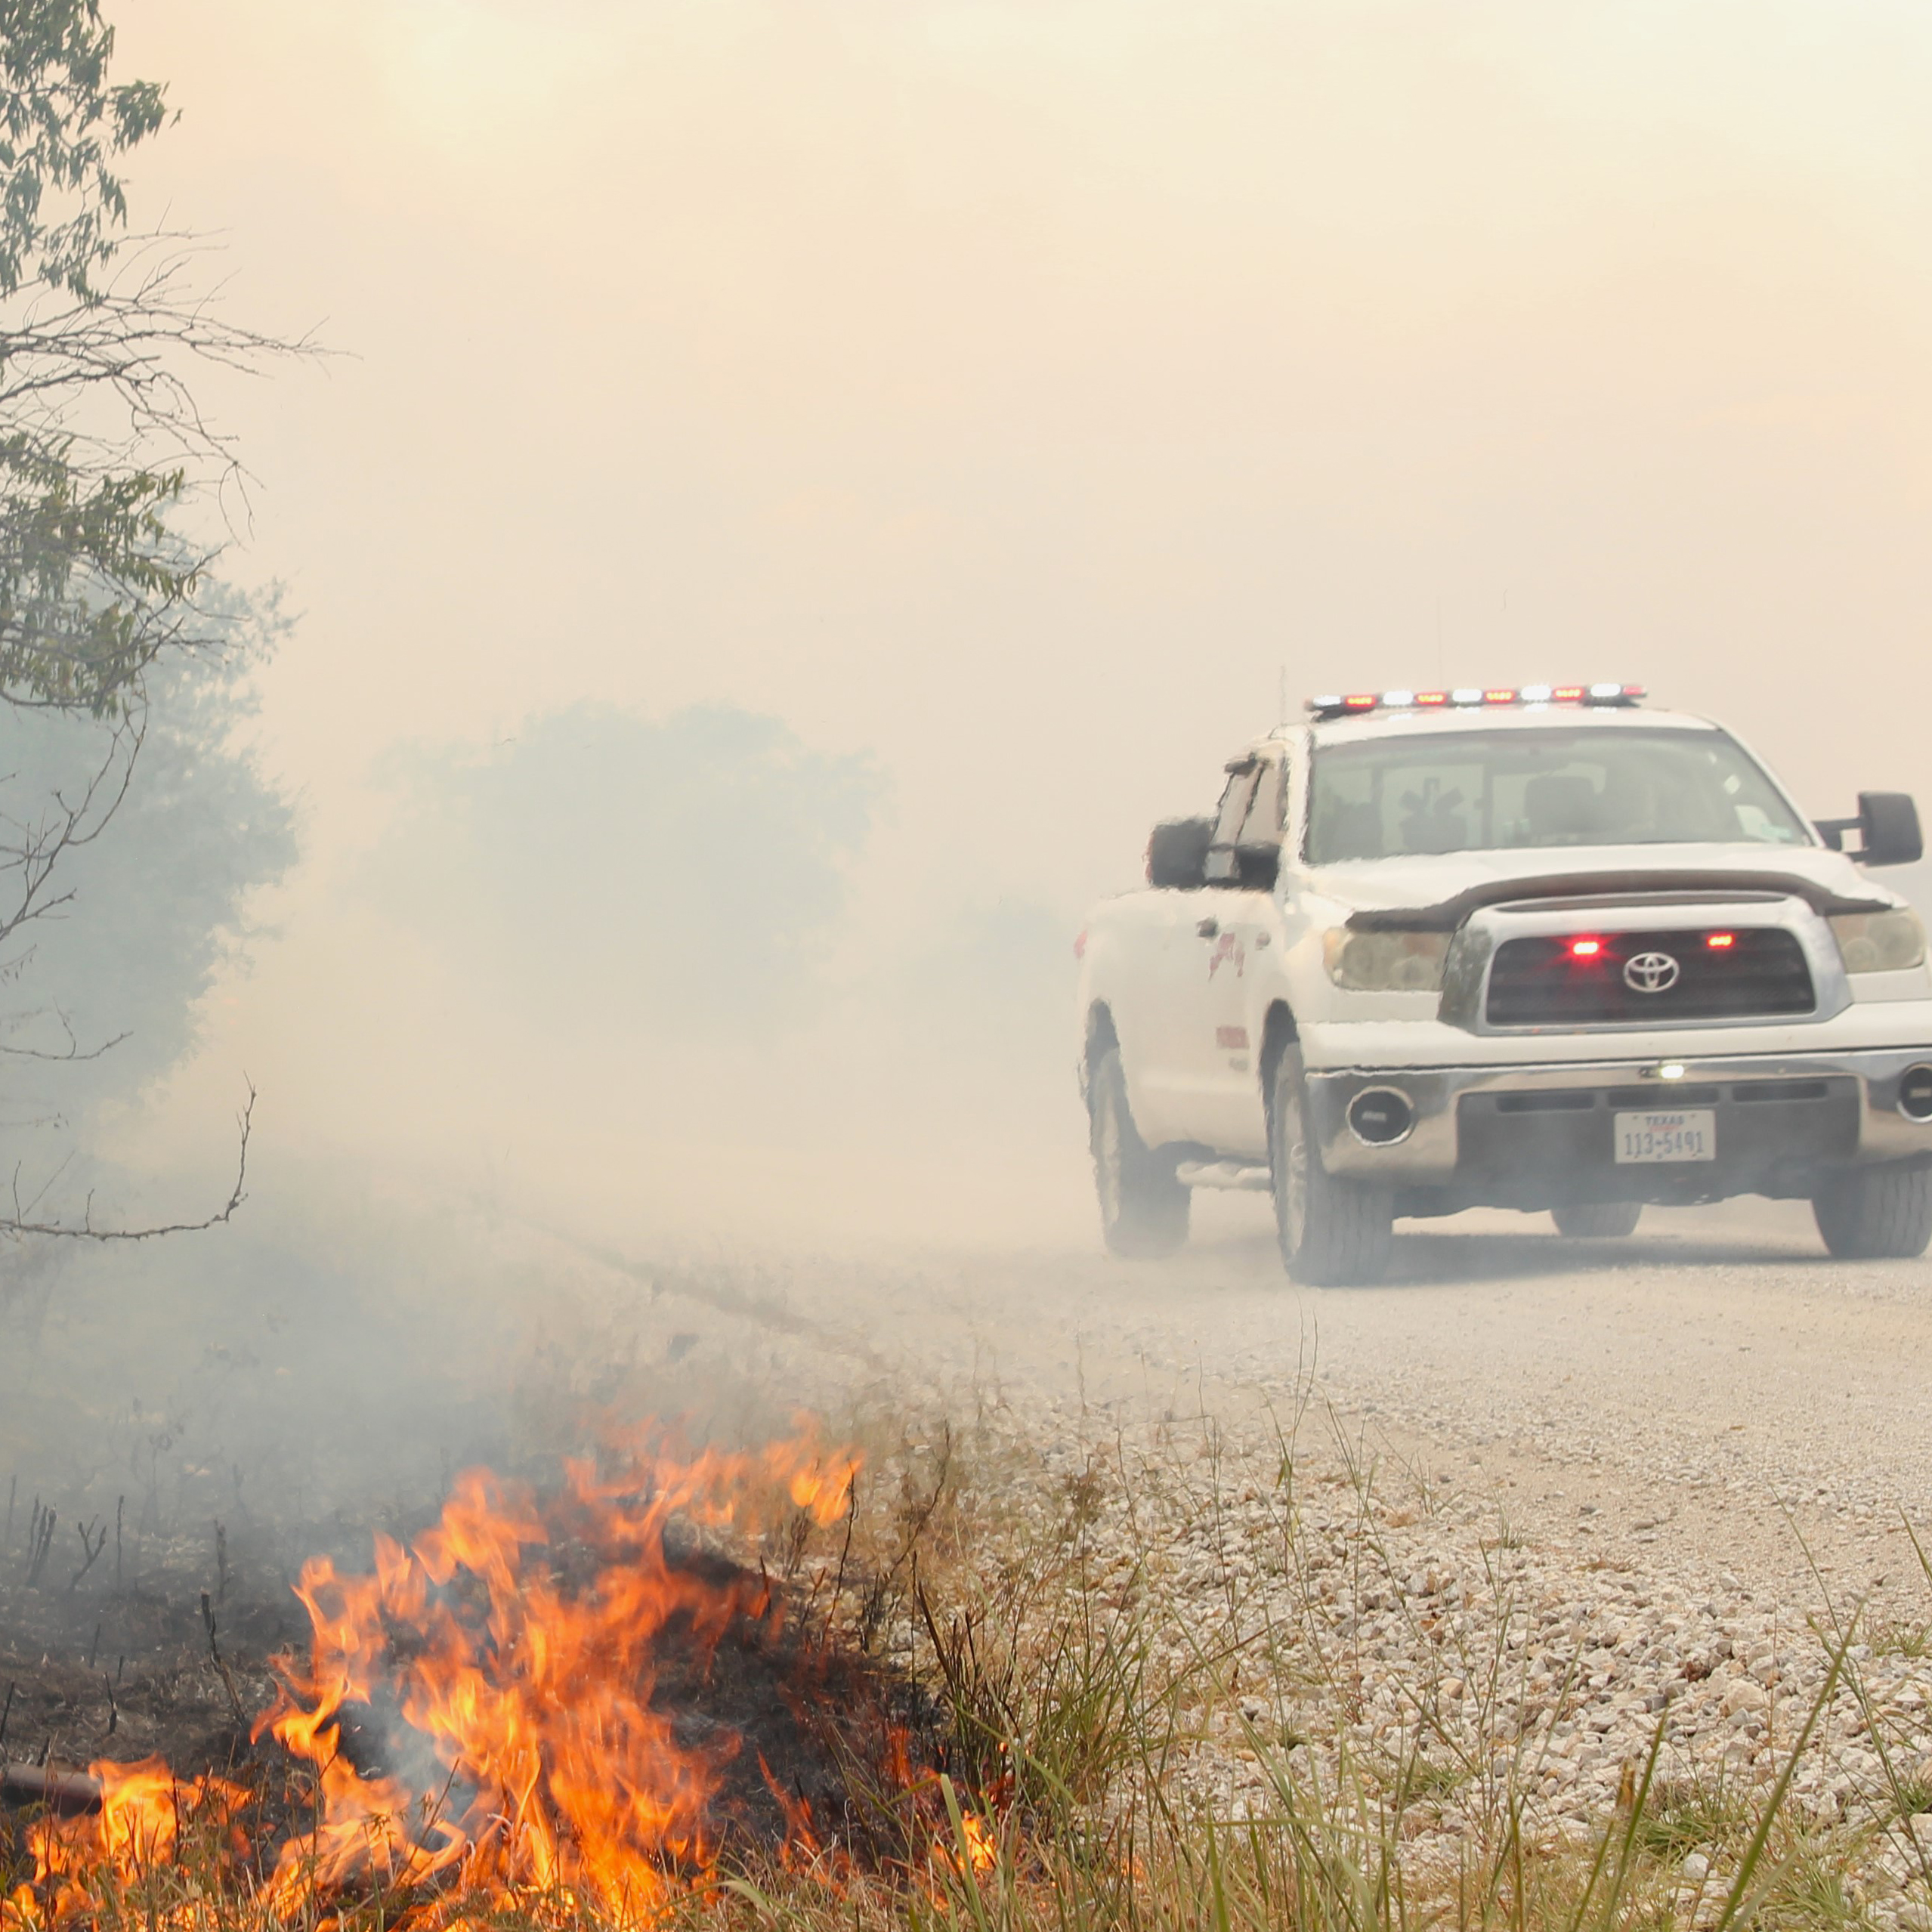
(693, 867)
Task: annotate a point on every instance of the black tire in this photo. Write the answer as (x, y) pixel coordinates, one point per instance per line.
(1597, 1220)
(1334, 1232)
(1876, 1213)
(1143, 1207)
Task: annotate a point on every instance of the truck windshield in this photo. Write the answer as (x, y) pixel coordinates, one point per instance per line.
(1490, 791)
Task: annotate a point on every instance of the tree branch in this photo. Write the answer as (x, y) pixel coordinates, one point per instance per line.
(73, 1051)
(37, 849)
(17, 1223)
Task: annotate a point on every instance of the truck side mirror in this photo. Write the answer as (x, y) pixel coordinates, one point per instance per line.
(1887, 827)
(1257, 867)
(1888, 823)
(1177, 853)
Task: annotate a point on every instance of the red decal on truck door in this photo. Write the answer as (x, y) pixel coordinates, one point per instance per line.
(1227, 948)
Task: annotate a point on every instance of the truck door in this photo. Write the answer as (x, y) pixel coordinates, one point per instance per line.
(1156, 962)
(1240, 876)
(1209, 962)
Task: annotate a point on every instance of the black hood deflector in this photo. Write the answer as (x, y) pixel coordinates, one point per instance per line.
(1687, 888)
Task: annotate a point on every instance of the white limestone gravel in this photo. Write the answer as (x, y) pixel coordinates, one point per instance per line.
(1543, 1501)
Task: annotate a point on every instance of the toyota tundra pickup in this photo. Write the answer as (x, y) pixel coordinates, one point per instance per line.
(1540, 948)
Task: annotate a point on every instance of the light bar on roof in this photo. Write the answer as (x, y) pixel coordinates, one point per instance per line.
(1472, 697)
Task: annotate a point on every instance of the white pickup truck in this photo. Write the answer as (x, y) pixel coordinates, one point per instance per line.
(1537, 948)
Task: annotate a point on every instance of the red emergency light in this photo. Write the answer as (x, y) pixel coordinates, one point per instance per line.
(1358, 704)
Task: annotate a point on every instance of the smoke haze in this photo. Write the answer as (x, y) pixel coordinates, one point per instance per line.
(918, 443)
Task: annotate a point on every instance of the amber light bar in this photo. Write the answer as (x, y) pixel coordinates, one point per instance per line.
(1473, 696)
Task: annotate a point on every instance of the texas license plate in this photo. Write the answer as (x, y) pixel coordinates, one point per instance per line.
(1687, 1135)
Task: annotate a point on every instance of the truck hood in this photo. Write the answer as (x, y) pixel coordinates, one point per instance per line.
(1440, 890)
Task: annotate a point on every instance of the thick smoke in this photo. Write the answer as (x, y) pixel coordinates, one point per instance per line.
(625, 952)
(685, 876)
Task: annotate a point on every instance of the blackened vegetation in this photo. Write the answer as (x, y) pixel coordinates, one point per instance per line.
(820, 1752)
(821, 1742)
(115, 1658)
(816, 1748)
(92, 1667)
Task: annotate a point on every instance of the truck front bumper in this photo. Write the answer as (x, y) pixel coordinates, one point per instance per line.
(1538, 1134)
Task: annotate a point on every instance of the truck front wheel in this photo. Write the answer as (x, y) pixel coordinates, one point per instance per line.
(1334, 1232)
(1143, 1207)
(1876, 1213)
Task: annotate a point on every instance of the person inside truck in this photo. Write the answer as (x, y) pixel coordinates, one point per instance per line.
(1476, 790)
(1562, 809)
(1433, 820)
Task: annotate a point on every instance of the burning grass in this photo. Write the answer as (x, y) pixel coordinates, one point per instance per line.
(945, 1683)
(575, 1699)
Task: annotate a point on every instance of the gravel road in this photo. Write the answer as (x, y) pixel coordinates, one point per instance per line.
(1549, 1495)
(1714, 1387)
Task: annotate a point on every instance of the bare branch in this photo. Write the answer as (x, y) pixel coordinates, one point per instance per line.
(35, 849)
(126, 344)
(16, 1223)
(72, 1052)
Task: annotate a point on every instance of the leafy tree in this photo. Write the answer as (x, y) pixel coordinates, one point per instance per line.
(105, 996)
(65, 124)
(112, 479)
(100, 441)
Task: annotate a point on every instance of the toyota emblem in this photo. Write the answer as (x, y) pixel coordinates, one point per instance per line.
(1651, 972)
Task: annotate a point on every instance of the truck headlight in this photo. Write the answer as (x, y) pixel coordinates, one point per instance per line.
(1879, 941)
(1385, 962)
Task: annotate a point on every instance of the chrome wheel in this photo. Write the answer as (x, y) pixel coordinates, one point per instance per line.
(1334, 1228)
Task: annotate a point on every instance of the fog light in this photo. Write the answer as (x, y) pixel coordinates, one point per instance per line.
(1915, 1093)
(1381, 1116)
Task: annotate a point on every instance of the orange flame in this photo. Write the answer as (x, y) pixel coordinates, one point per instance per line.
(982, 1848)
(554, 1770)
(137, 1827)
(501, 1670)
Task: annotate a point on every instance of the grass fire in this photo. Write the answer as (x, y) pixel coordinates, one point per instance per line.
(567, 1702)
(707, 1228)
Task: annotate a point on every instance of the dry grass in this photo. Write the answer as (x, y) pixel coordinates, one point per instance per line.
(1086, 1703)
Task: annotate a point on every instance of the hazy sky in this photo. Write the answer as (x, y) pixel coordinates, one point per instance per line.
(1014, 389)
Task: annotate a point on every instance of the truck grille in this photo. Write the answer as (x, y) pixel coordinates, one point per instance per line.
(1541, 981)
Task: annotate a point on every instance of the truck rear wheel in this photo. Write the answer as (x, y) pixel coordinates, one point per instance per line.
(1143, 1207)
(1597, 1220)
(1876, 1213)
(1334, 1232)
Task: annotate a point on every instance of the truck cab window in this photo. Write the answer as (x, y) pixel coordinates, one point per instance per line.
(1264, 820)
(1403, 797)
(1237, 803)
